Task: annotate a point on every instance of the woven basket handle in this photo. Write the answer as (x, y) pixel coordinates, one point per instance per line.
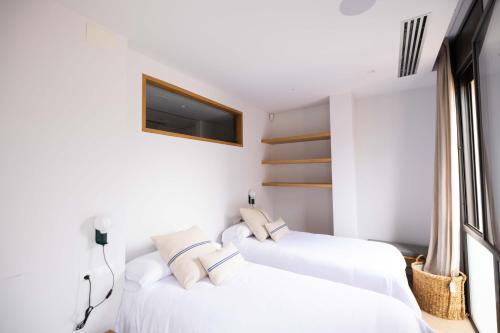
(420, 258)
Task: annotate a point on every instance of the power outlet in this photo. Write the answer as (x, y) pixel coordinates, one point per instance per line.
(82, 297)
(100, 271)
(95, 272)
(84, 274)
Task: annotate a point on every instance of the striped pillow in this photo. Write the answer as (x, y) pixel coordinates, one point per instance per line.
(255, 219)
(181, 251)
(277, 229)
(222, 264)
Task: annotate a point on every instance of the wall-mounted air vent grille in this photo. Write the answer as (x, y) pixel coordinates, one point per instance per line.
(412, 38)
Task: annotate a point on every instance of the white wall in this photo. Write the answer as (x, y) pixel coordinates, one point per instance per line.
(184, 181)
(71, 147)
(306, 209)
(345, 219)
(383, 160)
(394, 138)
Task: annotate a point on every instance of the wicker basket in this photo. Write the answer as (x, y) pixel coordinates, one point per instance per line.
(433, 292)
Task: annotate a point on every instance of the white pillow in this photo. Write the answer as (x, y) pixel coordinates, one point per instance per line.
(255, 219)
(235, 233)
(181, 251)
(222, 264)
(147, 269)
(277, 229)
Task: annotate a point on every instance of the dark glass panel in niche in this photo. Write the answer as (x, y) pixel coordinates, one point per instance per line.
(174, 111)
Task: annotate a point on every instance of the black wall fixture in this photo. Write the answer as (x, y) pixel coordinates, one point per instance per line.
(412, 38)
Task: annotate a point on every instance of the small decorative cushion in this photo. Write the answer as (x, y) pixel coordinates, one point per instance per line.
(222, 264)
(181, 251)
(255, 219)
(277, 229)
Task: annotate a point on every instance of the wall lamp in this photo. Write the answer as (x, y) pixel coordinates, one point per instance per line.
(102, 225)
(251, 197)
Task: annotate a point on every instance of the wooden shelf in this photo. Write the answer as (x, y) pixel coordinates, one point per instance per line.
(302, 161)
(298, 138)
(309, 185)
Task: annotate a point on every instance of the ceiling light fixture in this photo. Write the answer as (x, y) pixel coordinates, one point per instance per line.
(355, 7)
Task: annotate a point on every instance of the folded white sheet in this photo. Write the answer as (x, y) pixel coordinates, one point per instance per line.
(370, 265)
(265, 300)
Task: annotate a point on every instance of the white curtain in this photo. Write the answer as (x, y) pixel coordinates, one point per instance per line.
(443, 257)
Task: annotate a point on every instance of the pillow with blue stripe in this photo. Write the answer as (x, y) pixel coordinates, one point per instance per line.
(277, 229)
(222, 264)
(181, 251)
(255, 219)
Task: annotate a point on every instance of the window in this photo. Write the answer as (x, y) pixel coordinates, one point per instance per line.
(472, 187)
(170, 110)
(482, 281)
(487, 61)
(478, 82)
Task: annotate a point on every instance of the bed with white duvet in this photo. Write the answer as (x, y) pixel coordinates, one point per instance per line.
(262, 299)
(365, 264)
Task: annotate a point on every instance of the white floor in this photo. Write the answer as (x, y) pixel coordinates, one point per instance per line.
(448, 326)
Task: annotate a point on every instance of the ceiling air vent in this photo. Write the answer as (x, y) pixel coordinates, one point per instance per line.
(412, 37)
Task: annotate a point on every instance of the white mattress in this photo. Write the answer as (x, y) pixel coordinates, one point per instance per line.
(263, 299)
(365, 264)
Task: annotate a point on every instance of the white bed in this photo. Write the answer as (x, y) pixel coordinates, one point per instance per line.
(365, 264)
(263, 299)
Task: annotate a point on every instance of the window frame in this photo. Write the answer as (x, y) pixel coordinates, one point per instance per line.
(474, 133)
(477, 44)
(146, 79)
(471, 59)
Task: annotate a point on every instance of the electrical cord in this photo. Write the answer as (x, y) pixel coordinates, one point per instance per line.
(91, 307)
(112, 274)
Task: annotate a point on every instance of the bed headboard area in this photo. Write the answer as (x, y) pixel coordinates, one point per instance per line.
(140, 243)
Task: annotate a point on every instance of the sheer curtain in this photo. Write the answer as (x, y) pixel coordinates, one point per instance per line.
(443, 257)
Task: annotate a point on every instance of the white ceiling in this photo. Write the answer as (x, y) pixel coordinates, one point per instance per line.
(277, 54)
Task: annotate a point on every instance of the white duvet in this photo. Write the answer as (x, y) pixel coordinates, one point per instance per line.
(265, 300)
(365, 264)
